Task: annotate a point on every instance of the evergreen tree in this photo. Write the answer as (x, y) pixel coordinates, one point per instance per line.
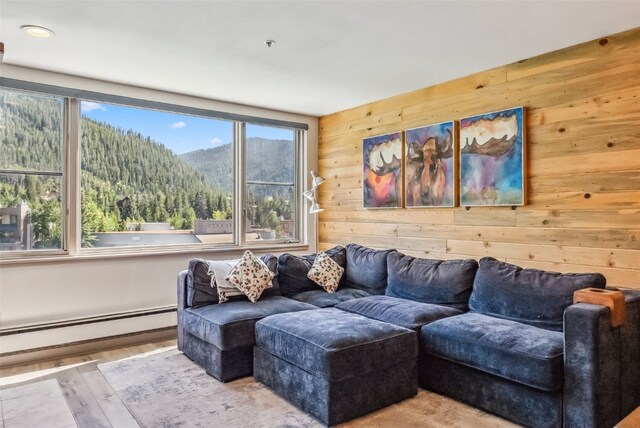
(47, 225)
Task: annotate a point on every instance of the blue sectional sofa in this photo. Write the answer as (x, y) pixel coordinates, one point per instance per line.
(507, 340)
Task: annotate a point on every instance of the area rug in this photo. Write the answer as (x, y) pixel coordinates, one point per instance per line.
(169, 390)
(38, 404)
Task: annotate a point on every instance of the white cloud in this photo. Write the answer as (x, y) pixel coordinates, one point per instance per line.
(88, 106)
(216, 142)
(178, 125)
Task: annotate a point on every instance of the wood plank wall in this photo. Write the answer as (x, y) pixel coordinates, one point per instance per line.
(583, 211)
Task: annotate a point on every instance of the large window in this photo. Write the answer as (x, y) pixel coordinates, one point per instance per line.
(154, 178)
(31, 171)
(81, 171)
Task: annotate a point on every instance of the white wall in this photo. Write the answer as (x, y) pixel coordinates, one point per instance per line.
(70, 287)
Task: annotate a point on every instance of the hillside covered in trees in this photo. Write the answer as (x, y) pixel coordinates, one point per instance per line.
(267, 160)
(126, 176)
(129, 178)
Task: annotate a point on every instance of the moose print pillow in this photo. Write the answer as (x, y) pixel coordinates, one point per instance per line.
(326, 272)
(251, 276)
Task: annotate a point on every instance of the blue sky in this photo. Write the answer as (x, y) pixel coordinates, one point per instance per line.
(178, 132)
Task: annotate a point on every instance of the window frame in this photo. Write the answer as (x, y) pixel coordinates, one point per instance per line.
(61, 174)
(71, 173)
(297, 203)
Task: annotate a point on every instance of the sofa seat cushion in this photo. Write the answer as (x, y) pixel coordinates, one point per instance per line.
(335, 345)
(531, 296)
(323, 299)
(232, 325)
(519, 352)
(366, 268)
(400, 312)
(441, 282)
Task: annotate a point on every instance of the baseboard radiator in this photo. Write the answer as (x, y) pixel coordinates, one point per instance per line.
(28, 354)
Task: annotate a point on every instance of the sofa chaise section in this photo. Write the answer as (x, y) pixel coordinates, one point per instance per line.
(220, 337)
(526, 353)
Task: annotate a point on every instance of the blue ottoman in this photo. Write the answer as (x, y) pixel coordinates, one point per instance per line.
(336, 365)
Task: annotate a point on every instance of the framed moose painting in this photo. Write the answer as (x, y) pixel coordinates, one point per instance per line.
(429, 174)
(382, 171)
(492, 158)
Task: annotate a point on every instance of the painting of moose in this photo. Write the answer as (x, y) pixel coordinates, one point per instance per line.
(382, 171)
(492, 158)
(429, 166)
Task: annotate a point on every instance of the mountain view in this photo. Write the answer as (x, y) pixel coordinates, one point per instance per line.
(128, 178)
(267, 160)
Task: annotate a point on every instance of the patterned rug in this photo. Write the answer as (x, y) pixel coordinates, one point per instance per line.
(169, 390)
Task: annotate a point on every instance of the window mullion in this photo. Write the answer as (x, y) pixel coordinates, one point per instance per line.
(72, 200)
(239, 183)
(301, 215)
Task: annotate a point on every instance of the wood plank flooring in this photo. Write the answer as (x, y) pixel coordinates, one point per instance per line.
(94, 403)
(39, 404)
(91, 399)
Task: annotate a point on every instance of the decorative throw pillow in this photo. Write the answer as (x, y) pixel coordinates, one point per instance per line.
(251, 276)
(326, 272)
(218, 270)
(293, 270)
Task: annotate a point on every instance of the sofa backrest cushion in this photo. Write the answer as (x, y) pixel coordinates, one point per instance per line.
(293, 270)
(366, 268)
(272, 263)
(530, 296)
(440, 282)
(199, 289)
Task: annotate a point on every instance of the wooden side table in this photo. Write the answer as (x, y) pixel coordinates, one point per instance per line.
(631, 421)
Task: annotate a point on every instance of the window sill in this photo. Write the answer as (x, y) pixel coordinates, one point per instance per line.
(148, 252)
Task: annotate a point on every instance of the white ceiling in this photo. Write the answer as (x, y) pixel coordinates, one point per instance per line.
(329, 55)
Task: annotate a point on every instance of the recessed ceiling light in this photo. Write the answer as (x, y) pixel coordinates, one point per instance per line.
(37, 31)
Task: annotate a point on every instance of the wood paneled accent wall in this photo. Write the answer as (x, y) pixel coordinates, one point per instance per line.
(583, 137)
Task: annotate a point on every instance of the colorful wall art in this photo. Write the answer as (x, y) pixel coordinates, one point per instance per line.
(492, 154)
(382, 171)
(429, 166)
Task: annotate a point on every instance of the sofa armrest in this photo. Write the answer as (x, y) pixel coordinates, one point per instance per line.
(591, 367)
(630, 354)
(182, 303)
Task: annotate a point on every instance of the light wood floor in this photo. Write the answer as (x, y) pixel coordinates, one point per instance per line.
(94, 404)
(92, 401)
